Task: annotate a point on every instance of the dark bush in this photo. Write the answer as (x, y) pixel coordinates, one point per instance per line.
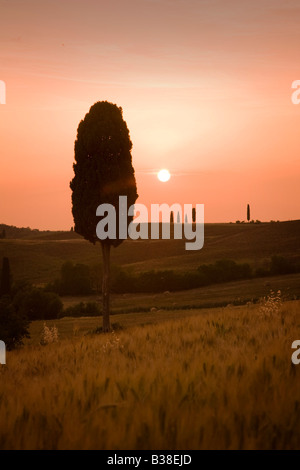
(13, 326)
(37, 304)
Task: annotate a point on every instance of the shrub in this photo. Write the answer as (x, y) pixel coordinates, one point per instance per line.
(271, 305)
(13, 326)
(49, 335)
(36, 304)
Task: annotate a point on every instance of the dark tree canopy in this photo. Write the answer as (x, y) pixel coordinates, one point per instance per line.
(103, 168)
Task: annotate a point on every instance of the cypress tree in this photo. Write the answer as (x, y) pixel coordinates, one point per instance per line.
(103, 172)
(248, 212)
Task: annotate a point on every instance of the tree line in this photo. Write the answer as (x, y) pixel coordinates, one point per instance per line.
(80, 279)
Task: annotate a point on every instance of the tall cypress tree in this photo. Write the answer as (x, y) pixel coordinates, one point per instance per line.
(103, 172)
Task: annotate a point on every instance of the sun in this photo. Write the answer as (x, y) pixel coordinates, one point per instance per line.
(163, 175)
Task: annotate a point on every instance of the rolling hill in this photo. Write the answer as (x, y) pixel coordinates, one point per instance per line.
(38, 256)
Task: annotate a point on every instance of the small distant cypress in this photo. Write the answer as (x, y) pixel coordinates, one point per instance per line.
(248, 212)
(194, 214)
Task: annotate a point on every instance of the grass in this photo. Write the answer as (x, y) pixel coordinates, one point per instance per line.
(201, 379)
(82, 326)
(173, 375)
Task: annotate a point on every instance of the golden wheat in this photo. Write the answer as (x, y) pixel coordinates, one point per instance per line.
(222, 379)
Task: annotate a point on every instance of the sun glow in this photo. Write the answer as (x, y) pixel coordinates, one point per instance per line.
(163, 175)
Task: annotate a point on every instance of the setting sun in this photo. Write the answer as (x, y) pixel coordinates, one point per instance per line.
(163, 176)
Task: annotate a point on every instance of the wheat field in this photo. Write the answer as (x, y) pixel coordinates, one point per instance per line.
(219, 379)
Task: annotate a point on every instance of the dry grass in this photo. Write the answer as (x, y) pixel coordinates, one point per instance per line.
(218, 380)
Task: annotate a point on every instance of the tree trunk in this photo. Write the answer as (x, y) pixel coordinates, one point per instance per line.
(105, 286)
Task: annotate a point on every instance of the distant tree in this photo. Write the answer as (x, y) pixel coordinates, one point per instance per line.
(194, 214)
(72, 229)
(5, 281)
(248, 212)
(280, 265)
(13, 327)
(172, 217)
(103, 172)
(74, 280)
(35, 304)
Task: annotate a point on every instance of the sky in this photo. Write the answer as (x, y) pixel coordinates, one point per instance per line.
(205, 87)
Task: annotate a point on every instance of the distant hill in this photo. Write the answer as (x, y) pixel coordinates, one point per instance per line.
(12, 232)
(38, 256)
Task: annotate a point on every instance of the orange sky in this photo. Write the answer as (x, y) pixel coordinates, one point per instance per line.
(205, 87)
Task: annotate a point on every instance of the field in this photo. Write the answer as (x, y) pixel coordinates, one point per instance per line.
(197, 379)
(39, 257)
(238, 292)
(174, 374)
